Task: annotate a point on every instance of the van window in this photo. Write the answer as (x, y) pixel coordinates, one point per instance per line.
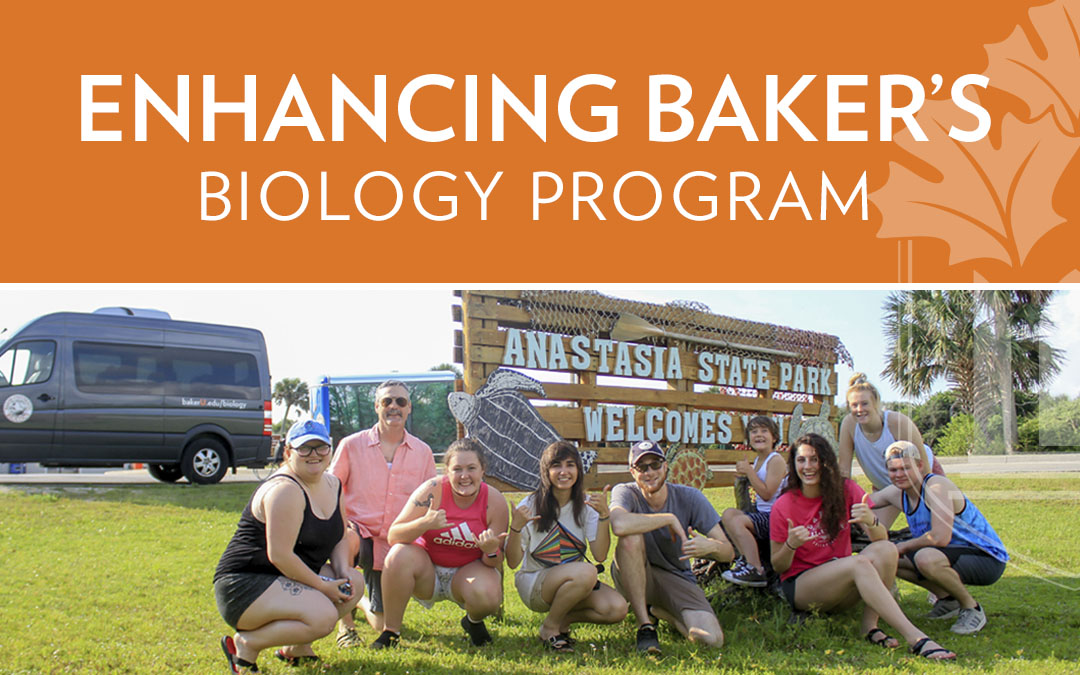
(27, 363)
(201, 372)
(102, 368)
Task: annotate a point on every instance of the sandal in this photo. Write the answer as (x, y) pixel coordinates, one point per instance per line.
(882, 641)
(294, 661)
(237, 665)
(569, 640)
(558, 643)
(919, 649)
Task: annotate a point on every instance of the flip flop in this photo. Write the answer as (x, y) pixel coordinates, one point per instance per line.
(294, 661)
(918, 650)
(882, 641)
(229, 647)
(569, 640)
(237, 665)
(558, 643)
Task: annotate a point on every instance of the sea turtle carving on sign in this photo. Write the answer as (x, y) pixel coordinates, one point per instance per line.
(820, 425)
(511, 430)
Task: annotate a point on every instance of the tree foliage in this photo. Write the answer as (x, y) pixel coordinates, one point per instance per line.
(291, 392)
(986, 344)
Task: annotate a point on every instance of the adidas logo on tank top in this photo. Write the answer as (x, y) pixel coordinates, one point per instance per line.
(459, 536)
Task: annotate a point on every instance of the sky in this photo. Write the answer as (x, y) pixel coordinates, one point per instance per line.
(314, 330)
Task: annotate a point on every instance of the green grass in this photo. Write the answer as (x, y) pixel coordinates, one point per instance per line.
(119, 580)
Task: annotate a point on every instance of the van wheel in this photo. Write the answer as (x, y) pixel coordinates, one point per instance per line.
(205, 461)
(166, 473)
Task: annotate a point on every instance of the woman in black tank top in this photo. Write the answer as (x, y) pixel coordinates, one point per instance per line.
(285, 577)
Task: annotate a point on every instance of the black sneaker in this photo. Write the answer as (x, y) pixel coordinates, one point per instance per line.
(745, 574)
(647, 642)
(478, 632)
(386, 640)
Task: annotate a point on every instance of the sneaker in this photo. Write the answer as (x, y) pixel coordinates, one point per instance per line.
(347, 638)
(945, 608)
(969, 621)
(478, 632)
(745, 574)
(647, 642)
(385, 640)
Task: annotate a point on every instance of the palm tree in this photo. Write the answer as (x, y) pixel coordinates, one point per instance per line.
(985, 344)
(291, 391)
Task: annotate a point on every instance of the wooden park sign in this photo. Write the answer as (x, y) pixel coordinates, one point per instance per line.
(606, 372)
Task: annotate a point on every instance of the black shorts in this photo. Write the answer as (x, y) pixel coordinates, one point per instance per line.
(234, 593)
(787, 587)
(365, 560)
(975, 566)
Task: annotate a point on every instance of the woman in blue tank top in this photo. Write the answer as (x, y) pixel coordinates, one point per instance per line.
(952, 546)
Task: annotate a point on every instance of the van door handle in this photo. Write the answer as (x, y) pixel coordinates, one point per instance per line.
(44, 397)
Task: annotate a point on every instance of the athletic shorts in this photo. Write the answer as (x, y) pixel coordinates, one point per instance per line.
(670, 591)
(974, 566)
(761, 525)
(365, 560)
(235, 592)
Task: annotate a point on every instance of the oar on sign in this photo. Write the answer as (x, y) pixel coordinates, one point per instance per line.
(631, 327)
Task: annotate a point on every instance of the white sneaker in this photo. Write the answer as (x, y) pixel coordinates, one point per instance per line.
(969, 621)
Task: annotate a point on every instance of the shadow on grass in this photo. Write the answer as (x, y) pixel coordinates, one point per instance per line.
(1029, 619)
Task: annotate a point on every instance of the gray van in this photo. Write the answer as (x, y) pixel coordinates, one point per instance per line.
(96, 390)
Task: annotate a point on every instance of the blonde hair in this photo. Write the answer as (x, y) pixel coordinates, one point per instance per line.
(857, 383)
(902, 449)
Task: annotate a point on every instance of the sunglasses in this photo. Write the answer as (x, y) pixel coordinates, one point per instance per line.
(649, 466)
(306, 450)
(400, 400)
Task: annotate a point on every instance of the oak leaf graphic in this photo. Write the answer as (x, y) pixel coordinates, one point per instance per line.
(1040, 65)
(986, 201)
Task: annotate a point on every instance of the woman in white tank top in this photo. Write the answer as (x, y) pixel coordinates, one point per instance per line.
(865, 433)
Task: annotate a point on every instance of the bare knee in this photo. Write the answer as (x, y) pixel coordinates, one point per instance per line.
(612, 609)
(930, 561)
(731, 516)
(403, 559)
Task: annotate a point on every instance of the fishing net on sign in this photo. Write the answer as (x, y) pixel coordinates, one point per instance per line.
(594, 314)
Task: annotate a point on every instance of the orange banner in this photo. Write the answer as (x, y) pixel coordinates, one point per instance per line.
(574, 142)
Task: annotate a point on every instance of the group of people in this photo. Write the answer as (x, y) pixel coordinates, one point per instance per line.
(288, 575)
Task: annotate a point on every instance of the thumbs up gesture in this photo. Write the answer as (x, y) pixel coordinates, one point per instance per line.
(797, 536)
(862, 513)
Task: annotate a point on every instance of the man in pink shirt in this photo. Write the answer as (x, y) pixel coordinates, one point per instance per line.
(379, 468)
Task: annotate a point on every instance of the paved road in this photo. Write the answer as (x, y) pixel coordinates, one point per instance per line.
(1049, 463)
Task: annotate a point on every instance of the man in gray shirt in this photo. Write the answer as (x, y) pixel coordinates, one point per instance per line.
(660, 527)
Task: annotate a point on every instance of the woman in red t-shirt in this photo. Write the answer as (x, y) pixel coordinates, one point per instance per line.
(810, 529)
(447, 545)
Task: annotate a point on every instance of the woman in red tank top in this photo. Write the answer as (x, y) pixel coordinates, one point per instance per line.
(447, 544)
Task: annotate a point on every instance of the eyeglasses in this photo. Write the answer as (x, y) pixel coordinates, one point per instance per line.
(650, 466)
(306, 450)
(400, 400)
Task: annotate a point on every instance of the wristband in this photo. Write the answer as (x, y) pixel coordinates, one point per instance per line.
(518, 531)
(793, 548)
(493, 555)
(605, 518)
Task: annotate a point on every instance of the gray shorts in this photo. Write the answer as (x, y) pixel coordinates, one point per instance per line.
(670, 591)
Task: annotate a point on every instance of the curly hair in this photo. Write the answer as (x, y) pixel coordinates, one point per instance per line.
(832, 483)
(544, 502)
